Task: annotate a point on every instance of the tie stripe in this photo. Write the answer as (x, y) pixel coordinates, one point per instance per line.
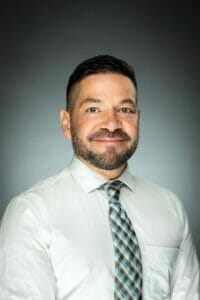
(128, 265)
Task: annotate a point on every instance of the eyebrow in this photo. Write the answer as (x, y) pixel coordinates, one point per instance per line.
(89, 100)
(94, 100)
(129, 101)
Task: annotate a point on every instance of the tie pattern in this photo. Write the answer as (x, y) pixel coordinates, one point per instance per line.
(128, 265)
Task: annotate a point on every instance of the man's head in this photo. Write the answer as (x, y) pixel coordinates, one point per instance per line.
(102, 118)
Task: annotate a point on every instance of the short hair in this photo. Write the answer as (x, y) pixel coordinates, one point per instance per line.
(96, 65)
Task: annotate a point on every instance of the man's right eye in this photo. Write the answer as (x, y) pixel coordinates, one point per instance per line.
(92, 110)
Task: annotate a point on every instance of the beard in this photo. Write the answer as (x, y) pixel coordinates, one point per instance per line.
(109, 159)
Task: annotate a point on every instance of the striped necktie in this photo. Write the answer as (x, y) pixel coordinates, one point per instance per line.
(128, 263)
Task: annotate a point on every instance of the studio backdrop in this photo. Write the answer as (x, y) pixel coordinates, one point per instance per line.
(40, 46)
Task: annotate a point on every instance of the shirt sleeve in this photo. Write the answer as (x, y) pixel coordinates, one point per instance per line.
(25, 268)
(185, 281)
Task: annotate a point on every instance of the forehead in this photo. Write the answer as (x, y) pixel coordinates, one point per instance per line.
(106, 84)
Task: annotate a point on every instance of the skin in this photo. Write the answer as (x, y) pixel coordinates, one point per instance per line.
(105, 104)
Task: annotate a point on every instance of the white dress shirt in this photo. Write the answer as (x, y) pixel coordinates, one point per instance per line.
(56, 242)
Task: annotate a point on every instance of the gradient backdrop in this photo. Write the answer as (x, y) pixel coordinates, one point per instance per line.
(42, 43)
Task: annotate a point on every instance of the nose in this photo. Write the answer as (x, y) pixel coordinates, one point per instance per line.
(111, 121)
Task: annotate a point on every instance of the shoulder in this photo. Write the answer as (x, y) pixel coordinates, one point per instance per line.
(141, 183)
(158, 196)
(143, 186)
(35, 198)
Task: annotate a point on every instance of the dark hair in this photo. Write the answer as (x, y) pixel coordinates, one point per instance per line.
(95, 65)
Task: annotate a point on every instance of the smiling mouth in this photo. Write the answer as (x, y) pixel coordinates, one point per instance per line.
(109, 140)
(105, 136)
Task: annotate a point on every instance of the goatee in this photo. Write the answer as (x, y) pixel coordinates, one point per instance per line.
(109, 159)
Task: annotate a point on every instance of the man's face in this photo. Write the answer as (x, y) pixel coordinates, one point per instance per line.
(104, 121)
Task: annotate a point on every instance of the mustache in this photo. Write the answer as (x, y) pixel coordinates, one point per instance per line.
(118, 133)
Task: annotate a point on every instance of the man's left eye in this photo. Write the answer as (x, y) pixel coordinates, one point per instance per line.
(127, 110)
(92, 110)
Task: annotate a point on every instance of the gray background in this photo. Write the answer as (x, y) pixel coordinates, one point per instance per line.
(40, 46)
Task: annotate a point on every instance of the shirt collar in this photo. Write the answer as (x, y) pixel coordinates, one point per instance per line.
(89, 180)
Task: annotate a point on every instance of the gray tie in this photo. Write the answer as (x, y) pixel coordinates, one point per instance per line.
(128, 262)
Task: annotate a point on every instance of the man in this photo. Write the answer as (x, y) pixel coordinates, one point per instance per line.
(94, 231)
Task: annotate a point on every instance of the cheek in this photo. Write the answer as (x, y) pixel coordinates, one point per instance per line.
(131, 127)
(84, 126)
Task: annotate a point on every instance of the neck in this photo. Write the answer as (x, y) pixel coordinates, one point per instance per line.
(107, 174)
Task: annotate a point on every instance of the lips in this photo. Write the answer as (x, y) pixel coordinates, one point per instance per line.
(106, 136)
(109, 140)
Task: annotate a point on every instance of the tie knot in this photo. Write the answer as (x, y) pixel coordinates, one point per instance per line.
(113, 189)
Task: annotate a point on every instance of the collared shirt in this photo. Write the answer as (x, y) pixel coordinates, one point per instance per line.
(56, 242)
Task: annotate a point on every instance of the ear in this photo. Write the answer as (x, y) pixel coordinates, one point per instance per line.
(65, 123)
